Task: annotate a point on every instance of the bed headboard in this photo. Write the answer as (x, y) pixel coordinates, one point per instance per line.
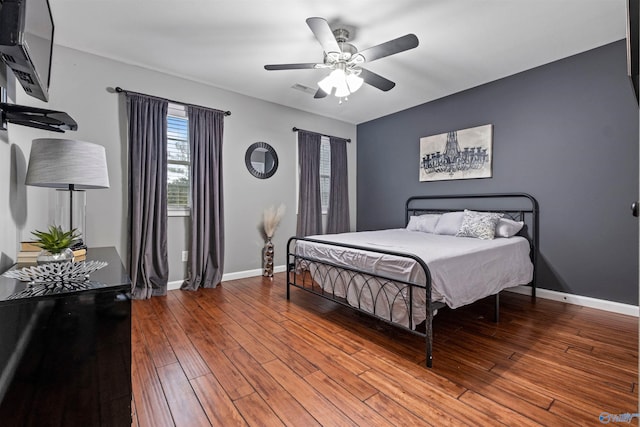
(517, 206)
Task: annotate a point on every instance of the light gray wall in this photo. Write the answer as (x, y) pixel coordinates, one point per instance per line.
(567, 133)
(80, 83)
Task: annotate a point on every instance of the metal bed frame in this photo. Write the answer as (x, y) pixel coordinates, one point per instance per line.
(299, 266)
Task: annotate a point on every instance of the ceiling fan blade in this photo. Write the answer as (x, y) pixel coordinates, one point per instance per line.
(389, 48)
(291, 66)
(322, 31)
(320, 94)
(376, 80)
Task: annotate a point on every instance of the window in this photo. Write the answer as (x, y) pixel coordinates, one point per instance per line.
(178, 161)
(325, 173)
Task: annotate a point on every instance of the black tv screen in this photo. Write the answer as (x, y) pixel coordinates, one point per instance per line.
(633, 51)
(26, 43)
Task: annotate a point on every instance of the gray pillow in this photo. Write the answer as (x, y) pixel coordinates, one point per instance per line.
(481, 225)
(449, 223)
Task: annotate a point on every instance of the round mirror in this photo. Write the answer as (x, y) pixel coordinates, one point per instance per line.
(261, 160)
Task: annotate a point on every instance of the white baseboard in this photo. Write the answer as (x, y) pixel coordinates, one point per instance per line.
(250, 273)
(232, 276)
(171, 286)
(600, 304)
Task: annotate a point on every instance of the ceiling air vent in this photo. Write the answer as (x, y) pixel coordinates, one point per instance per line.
(303, 88)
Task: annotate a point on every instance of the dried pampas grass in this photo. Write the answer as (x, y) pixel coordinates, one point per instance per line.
(271, 218)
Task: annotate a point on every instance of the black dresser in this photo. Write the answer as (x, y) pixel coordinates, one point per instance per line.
(65, 357)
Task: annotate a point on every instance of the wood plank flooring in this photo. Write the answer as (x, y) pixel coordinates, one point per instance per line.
(241, 354)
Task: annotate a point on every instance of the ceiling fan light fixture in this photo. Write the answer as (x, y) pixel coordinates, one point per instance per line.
(345, 82)
(327, 83)
(354, 82)
(342, 90)
(335, 79)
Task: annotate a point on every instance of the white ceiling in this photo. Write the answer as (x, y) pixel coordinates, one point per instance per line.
(463, 43)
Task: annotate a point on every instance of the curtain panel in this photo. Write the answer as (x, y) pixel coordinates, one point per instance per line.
(309, 203)
(206, 251)
(338, 212)
(147, 195)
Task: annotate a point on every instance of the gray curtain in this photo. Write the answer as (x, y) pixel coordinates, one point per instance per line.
(206, 250)
(309, 203)
(147, 226)
(338, 214)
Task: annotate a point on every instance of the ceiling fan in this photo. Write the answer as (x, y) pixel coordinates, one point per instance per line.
(346, 61)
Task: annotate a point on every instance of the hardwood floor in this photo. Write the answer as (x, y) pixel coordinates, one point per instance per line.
(241, 354)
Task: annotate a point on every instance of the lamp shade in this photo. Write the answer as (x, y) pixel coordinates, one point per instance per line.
(66, 163)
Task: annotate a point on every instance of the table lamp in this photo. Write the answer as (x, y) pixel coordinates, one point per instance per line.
(71, 166)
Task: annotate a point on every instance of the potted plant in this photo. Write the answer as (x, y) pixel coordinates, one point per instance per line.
(56, 244)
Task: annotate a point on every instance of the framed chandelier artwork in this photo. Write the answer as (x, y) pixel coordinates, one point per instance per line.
(460, 154)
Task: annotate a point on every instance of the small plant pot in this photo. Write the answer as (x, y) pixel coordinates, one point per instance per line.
(46, 257)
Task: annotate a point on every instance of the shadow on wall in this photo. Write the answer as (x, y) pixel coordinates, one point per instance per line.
(5, 262)
(17, 187)
(548, 277)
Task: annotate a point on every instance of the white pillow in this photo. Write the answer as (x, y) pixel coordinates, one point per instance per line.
(428, 222)
(449, 223)
(481, 225)
(413, 223)
(507, 227)
(425, 223)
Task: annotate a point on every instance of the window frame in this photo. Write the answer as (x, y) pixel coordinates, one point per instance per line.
(325, 142)
(179, 111)
(324, 210)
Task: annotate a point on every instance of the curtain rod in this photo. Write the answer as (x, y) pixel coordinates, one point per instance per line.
(119, 90)
(295, 129)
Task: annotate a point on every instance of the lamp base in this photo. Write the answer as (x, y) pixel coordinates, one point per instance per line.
(70, 211)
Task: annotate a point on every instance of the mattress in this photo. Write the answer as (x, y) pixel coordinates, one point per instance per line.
(462, 269)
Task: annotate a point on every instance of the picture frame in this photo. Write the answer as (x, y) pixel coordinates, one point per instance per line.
(460, 154)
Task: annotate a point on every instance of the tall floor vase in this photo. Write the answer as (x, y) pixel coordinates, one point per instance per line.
(268, 259)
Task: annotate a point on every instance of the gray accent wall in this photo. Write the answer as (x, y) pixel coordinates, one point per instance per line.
(566, 133)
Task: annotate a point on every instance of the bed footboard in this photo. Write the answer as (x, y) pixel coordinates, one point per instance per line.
(392, 300)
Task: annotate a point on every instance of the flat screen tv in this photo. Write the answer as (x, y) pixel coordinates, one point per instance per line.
(26, 43)
(633, 51)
